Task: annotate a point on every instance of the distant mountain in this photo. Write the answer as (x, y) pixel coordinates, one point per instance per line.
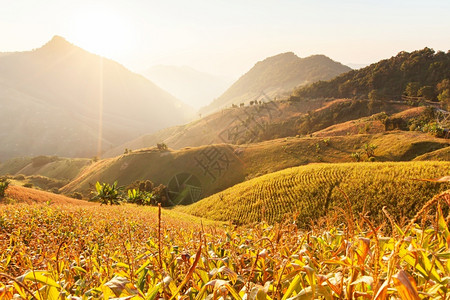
(388, 78)
(356, 66)
(61, 100)
(276, 76)
(191, 86)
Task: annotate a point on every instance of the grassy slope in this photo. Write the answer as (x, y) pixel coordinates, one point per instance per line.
(441, 155)
(211, 129)
(261, 122)
(16, 195)
(370, 124)
(312, 191)
(248, 161)
(57, 168)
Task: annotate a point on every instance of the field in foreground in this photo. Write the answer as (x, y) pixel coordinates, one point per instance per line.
(50, 252)
(312, 191)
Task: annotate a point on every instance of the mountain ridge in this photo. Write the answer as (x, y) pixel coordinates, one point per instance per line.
(60, 89)
(275, 76)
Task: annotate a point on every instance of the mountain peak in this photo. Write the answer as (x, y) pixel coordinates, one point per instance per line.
(58, 44)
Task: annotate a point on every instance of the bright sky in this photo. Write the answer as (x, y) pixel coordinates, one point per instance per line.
(227, 36)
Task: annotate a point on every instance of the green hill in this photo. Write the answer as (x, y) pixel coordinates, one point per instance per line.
(48, 166)
(216, 167)
(276, 76)
(313, 191)
(440, 155)
(387, 78)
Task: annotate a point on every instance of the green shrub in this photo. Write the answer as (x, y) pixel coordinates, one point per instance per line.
(107, 194)
(141, 197)
(77, 195)
(3, 186)
(54, 190)
(19, 177)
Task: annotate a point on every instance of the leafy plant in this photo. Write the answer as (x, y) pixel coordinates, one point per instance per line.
(162, 147)
(141, 197)
(4, 183)
(369, 150)
(356, 156)
(107, 194)
(434, 128)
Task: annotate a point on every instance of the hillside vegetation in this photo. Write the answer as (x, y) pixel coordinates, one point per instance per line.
(420, 73)
(313, 191)
(276, 76)
(219, 166)
(263, 122)
(237, 125)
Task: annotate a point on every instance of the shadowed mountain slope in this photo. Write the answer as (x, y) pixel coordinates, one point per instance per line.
(60, 91)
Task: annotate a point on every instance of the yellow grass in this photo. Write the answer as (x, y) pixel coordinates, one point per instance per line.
(314, 190)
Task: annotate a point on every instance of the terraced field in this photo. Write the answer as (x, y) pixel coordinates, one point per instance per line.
(315, 190)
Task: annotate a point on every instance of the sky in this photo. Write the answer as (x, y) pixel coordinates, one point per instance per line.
(227, 37)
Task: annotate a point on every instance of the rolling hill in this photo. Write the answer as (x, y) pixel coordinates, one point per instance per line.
(234, 125)
(48, 166)
(193, 87)
(314, 191)
(261, 122)
(212, 168)
(61, 91)
(276, 76)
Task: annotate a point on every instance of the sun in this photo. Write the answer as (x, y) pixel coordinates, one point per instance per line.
(102, 32)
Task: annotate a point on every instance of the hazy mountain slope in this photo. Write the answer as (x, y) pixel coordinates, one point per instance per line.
(261, 122)
(60, 91)
(275, 76)
(388, 77)
(187, 84)
(233, 126)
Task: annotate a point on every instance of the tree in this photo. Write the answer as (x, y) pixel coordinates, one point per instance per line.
(107, 194)
(141, 197)
(4, 183)
(427, 92)
(356, 156)
(162, 147)
(374, 95)
(412, 88)
(369, 150)
(443, 88)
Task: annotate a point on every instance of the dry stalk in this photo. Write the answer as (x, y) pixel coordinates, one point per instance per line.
(19, 283)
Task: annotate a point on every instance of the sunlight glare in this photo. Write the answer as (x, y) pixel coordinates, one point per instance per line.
(102, 32)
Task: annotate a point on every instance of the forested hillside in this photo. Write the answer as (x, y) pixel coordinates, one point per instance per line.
(422, 73)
